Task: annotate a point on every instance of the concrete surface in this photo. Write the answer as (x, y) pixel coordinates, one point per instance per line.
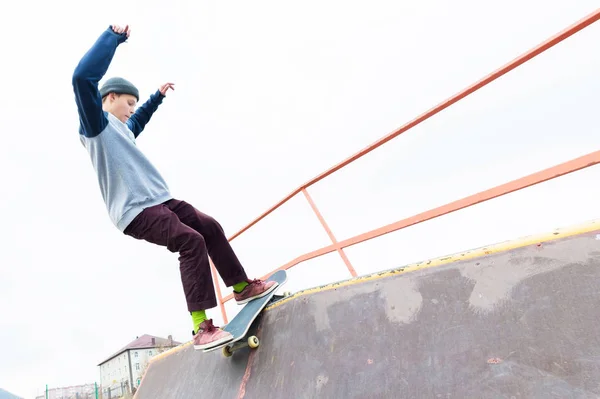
(517, 320)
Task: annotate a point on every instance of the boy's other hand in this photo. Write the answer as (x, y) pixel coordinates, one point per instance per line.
(163, 89)
(119, 30)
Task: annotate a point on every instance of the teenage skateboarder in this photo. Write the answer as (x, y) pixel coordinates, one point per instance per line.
(137, 197)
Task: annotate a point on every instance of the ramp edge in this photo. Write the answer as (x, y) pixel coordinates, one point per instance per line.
(500, 247)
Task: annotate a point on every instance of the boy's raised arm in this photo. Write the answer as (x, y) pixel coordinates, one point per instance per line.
(86, 76)
(142, 116)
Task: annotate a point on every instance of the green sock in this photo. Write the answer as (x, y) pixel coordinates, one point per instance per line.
(239, 286)
(198, 316)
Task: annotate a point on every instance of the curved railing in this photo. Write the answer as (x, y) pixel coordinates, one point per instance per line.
(503, 189)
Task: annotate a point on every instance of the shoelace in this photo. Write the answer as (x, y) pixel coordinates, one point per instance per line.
(209, 326)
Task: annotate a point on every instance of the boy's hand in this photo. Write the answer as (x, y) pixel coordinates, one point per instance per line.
(164, 88)
(117, 29)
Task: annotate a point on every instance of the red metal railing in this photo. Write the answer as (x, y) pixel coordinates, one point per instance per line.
(512, 186)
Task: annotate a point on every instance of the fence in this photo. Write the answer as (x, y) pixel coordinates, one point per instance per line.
(117, 391)
(562, 169)
(86, 391)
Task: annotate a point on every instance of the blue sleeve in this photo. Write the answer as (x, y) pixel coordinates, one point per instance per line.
(142, 116)
(86, 76)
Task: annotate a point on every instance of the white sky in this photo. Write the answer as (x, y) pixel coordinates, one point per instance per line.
(268, 95)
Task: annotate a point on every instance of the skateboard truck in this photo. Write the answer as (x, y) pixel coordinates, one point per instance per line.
(252, 342)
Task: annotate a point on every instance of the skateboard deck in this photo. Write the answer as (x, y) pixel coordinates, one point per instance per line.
(240, 324)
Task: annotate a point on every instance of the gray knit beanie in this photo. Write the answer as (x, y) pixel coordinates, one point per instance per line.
(119, 86)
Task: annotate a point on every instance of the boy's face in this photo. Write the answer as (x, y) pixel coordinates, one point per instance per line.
(121, 106)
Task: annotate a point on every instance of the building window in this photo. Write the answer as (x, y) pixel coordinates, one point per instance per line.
(135, 354)
(137, 366)
(149, 353)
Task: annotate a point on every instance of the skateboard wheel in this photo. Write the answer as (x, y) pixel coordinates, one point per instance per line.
(227, 352)
(253, 342)
(287, 293)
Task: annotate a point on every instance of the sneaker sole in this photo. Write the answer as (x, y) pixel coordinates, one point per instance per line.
(213, 343)
(267, 292)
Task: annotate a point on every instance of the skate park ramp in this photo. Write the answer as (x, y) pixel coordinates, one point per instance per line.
(514, 320)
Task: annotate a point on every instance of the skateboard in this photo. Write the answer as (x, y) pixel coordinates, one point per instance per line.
(241, 323)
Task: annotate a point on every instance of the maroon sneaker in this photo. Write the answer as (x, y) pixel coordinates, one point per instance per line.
(255, 289)
(209, 335)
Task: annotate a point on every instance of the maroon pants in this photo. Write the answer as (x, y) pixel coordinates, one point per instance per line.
(182, 228)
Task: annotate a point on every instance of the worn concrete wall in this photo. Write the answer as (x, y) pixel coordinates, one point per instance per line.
(517, 323)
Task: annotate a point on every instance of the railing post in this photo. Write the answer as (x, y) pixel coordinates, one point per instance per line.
(338, 248)
(218, 290)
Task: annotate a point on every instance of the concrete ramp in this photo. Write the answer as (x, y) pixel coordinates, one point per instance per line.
(516, 320)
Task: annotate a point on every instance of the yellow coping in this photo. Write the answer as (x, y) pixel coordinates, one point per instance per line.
(170, 351)
(461, 256)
